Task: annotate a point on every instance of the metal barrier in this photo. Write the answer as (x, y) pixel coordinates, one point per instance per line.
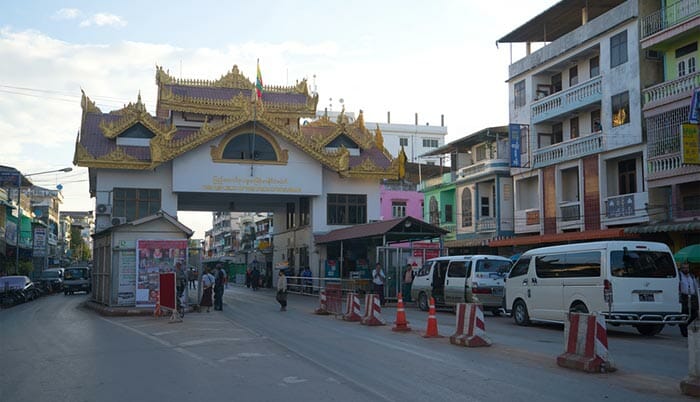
(296, 285)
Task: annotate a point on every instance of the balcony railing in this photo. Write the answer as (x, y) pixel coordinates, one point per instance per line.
(627, 208)
(570, 212)
(665, 163)
(568, 150)
(664, 90)
(674, 14)
(567, 100)
(527, 220)
(489, 166)
(486, 225)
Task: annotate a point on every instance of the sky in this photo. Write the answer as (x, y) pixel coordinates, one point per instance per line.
(405, 57)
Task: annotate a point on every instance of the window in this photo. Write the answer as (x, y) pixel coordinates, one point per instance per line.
(398, 209)
(685, 59)
(250, 147)
(430, 143)
(620, 109)
(291, 215)
(448, 213)
(347, 209)
(485, 206)
(627, 176)
(457, 269)
(466, 207)
(524, 139)
(403, 142)
(641, 264)
(594, 66)
(480, 152)
(570, 265)
(573, 76)
(618, 49)
(520, 268)
(573, 127)
(434, 213)
(557, 133)
(556, 83)
(134, 203)
(595, 121)
(303, 257)
(304, 212)
(519, 94)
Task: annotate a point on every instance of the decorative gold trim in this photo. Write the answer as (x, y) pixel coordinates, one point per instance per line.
(88, 105)
(217, 151)
(134, 113)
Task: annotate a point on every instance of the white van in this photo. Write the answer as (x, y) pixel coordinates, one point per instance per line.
(629, 282)
(462, 279)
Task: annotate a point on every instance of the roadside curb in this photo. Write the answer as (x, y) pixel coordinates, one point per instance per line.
(120, 311)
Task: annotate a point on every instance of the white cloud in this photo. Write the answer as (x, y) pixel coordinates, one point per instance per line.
(103, 19)
(66, 14)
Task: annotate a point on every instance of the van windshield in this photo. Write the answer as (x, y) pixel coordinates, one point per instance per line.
(642, 264)
(75, 273)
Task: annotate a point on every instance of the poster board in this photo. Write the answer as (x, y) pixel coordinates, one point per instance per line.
(154, 258)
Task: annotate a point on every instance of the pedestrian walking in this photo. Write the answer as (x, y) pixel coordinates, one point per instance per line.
(378, 279)
(282, 290)
(219, 282)
(688, 296)
(207, 288)
(192, 278)
(308, 282)
(407, 283)
(255, 278)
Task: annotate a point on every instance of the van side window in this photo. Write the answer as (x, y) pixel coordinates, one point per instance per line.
(457, 269)
(520, 267)
(571, 265)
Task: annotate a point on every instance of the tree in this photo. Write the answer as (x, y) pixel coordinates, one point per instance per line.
(79, 248)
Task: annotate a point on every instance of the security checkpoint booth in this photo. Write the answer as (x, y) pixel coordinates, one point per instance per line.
(130, 257)
(349, 255)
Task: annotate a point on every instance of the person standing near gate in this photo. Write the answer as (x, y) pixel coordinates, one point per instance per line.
(282, 290)
(689, 296)
(219, 287)
(378, 282)
(407, 283)
(207, 285)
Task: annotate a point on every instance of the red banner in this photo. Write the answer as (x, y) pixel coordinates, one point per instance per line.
(167, 290)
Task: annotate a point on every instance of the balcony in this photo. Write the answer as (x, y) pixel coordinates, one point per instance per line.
(672, 15)
(570, 212)
(487, 224)
(445, 178)
(664, 164)
(670, 91)
(527, 221)
(626, 208)
(568, 150)
(567, 101)
(450, 227)
(484, 168)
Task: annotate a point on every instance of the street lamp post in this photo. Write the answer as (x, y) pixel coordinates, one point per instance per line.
(19, 207)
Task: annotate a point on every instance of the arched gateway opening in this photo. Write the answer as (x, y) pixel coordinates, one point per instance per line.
(216, 146)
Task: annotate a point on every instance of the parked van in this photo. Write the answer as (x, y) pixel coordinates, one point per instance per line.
(462, 279)
(629, 282)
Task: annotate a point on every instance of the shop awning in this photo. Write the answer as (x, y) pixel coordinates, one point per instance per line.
(669, 227)
(554, 238)
(394, 230)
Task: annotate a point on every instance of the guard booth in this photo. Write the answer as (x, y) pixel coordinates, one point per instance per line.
(350, 254)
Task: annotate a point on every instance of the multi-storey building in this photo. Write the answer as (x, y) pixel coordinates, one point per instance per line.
(225, 233)
(45, 207)
(670, 36)
(474, 200)
(576, 133)
(84, 223)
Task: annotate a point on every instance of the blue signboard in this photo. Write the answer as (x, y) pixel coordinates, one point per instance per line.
(514, 133)
(694, 107)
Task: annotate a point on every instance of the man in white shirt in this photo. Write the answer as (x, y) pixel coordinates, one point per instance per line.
(688, 296)
(378, 282)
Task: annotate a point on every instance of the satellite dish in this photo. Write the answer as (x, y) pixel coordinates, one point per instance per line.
(59, 187)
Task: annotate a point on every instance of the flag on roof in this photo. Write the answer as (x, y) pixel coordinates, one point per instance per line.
(259, 82)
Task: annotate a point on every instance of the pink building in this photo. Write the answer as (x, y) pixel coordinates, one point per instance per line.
(401, 199)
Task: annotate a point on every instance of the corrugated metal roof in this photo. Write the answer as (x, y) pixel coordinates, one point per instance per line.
(399, 229)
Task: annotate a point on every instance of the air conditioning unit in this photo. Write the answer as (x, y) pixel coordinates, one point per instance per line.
(103, 209)
(118, 220)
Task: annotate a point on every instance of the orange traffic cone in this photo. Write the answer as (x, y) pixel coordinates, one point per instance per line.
(400, 324)
(432, 330)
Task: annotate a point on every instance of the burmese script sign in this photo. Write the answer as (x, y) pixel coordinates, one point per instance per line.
(251, 185)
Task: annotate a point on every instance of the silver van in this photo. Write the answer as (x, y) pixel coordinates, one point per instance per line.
(462, 279)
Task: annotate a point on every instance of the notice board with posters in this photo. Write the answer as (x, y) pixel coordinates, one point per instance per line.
(154, 258)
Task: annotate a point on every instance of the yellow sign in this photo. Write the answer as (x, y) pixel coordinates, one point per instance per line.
(690, 144)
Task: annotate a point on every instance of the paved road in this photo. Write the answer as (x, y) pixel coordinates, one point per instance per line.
(53, 349)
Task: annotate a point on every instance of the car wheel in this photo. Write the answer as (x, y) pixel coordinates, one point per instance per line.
(423, 301)
(579, 308)
(650, 329)
(520, 315)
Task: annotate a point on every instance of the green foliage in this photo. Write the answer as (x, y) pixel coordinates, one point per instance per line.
(25, 267)
(79, 248)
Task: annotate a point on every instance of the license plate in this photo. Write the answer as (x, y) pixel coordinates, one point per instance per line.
(646, 297)
(497, 292)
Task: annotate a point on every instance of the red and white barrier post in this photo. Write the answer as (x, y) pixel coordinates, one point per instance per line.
(322, 301)
(586, 346)
(352, 310)
(470, 328)
(373, 311)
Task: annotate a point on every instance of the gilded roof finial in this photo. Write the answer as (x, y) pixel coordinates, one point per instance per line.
(341, 116)
(378, 138)
(361, 119)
